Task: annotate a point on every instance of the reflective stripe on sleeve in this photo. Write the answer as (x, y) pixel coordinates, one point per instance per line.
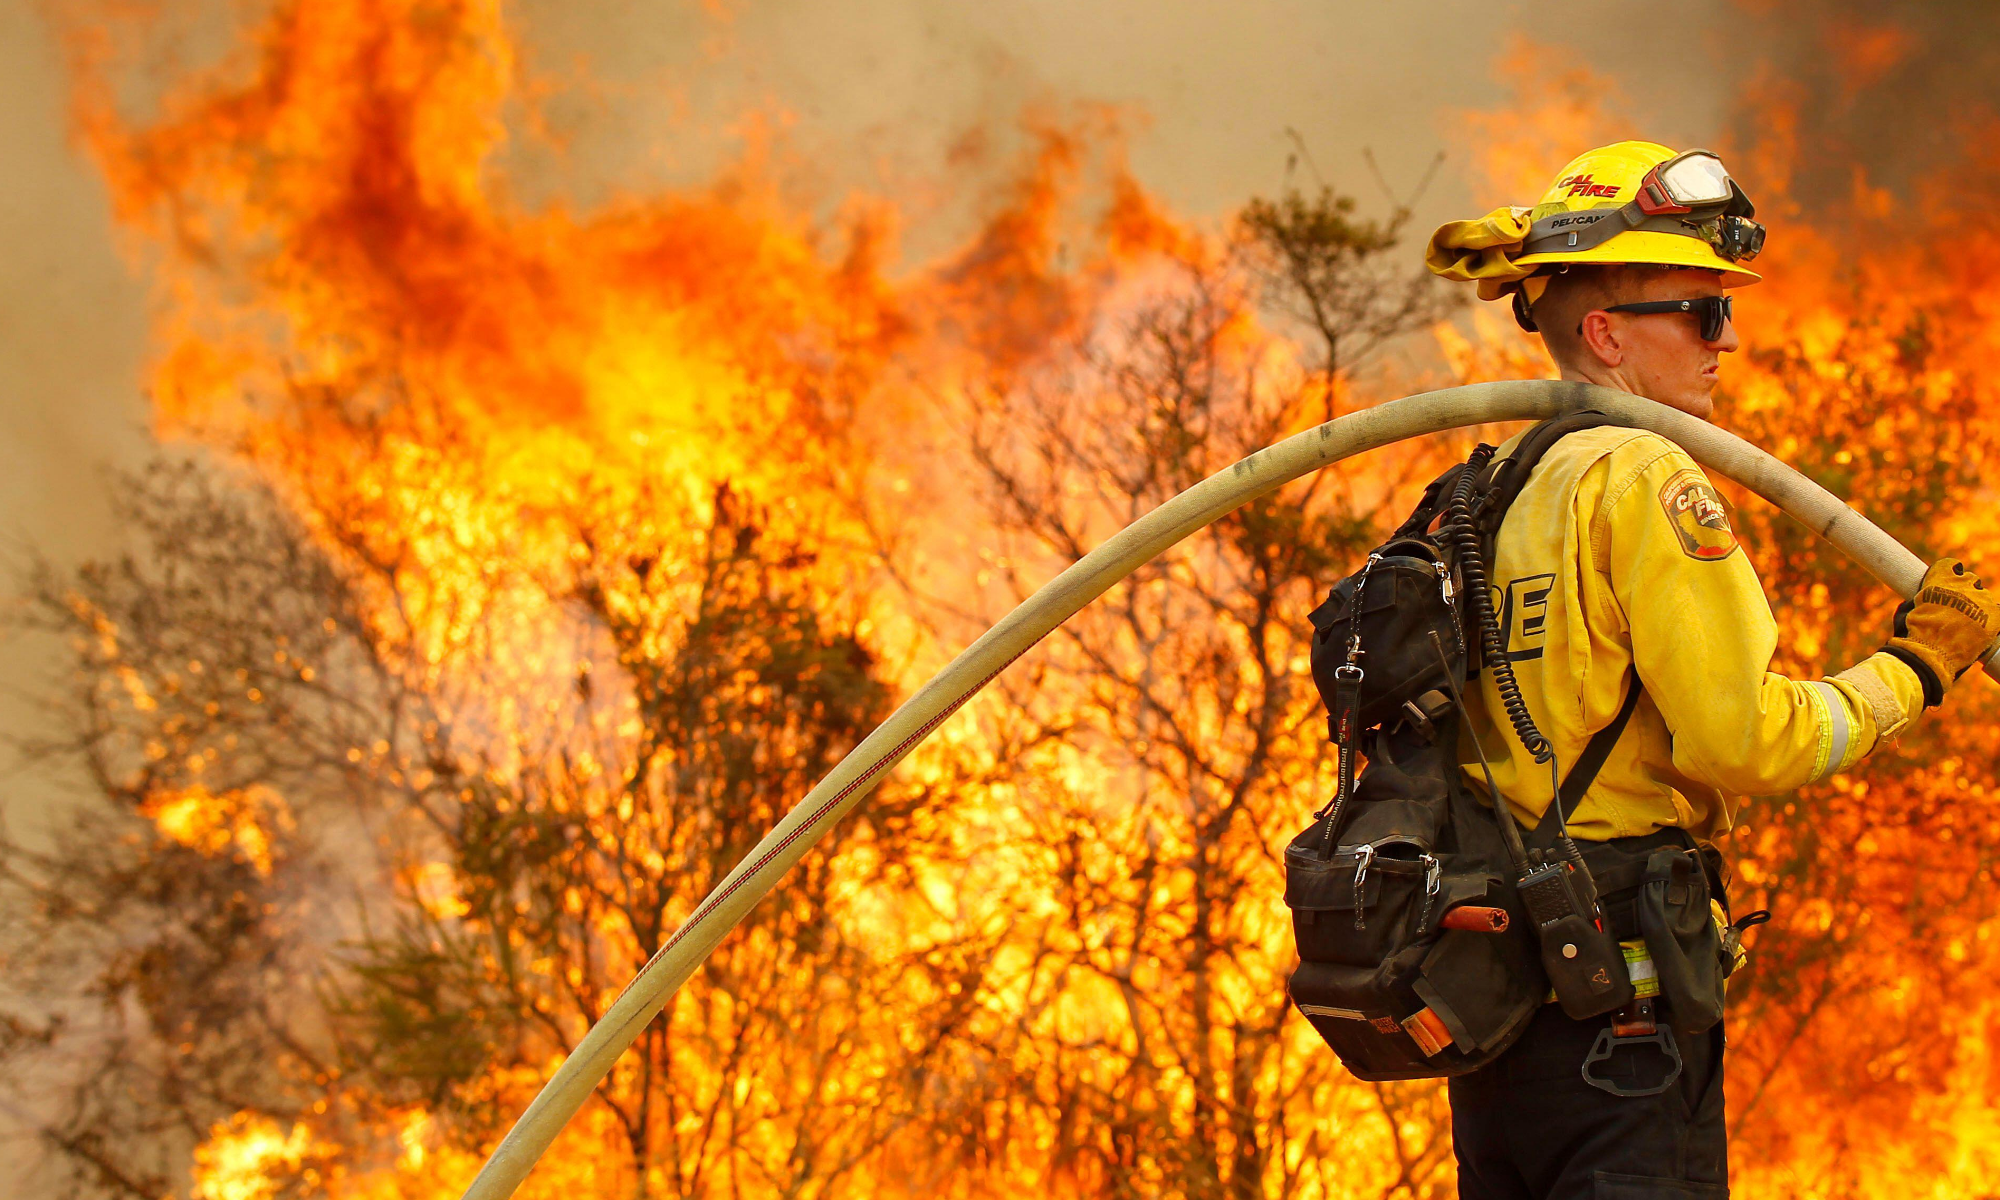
(1834, 706)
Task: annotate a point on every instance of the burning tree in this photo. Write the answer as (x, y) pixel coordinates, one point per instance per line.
(1167, 742)
(432, 800)
(337, 880)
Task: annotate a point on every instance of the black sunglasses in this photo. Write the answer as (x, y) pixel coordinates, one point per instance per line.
(1713, 310)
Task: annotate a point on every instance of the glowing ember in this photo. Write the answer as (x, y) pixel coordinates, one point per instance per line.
(232, 823)
(249, 1158)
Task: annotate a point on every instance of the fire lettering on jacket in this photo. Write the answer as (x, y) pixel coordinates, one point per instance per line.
(1697, 514)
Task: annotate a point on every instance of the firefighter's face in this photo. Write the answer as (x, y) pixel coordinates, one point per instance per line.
(1662, 356)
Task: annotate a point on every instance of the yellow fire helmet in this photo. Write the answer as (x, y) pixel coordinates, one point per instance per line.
(1629, 202)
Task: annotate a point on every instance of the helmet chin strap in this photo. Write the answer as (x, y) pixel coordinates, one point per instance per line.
(1085, 580)
(1529, 292)
(1524, 314)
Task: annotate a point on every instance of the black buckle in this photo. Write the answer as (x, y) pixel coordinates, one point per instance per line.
(1609, 1043)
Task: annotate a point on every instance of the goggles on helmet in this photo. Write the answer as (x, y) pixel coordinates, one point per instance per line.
(1690, 194)
(1688, 182)
(1714, 311)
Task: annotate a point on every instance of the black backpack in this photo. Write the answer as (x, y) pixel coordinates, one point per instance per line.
(1428, 929)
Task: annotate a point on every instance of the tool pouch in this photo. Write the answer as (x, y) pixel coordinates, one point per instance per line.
(1397, 995)
(1362, 902)
(1682, 936)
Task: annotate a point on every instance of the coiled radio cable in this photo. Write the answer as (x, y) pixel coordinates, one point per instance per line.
(1463, 534)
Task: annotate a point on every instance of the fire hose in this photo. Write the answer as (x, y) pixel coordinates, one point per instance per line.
(1086, 579)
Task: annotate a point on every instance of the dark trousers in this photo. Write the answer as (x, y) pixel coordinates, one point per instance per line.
(1528, 1127)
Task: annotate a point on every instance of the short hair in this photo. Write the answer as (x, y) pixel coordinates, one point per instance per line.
(1584, 288)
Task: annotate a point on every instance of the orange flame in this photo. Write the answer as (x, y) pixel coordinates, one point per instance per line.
(443, 380)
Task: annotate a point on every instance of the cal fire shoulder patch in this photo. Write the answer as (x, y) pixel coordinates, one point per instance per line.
(1698, 517)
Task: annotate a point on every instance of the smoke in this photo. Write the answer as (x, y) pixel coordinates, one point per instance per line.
(1884, 95)
(879, 93)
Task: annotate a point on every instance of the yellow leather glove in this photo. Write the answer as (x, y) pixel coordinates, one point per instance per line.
(1946, 627)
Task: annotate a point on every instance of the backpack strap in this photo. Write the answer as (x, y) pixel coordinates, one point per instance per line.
(1429, 505)
(1503, 482)
(1507, 476)
(1504, 478)
(1583, 772)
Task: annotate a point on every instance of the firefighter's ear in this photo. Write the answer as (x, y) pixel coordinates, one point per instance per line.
(1599, 335)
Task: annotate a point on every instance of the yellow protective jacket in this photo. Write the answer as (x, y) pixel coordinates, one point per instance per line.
(1618, 553)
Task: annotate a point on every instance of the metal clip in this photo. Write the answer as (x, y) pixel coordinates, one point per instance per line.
(1609, 1043)
(1432, 877)
(1445, 587)
(1364, 854)
(1354, 613)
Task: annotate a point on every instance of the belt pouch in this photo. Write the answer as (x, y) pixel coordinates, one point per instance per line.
(1681, 935)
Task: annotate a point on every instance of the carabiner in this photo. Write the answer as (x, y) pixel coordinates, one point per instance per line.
(1364, 854)
(1445, 589)
(1433, 876)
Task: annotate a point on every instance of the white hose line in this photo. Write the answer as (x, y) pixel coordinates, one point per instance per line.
(1084, 581)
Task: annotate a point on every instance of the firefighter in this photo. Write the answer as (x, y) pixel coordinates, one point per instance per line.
(1616, 568)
